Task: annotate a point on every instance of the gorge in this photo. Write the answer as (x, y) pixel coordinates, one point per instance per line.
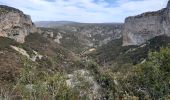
(65, 60)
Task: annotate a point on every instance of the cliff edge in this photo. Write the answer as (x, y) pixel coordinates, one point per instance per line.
(15, 24)
(138, 29)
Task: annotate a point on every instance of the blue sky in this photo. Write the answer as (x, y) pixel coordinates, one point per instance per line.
(88, 11)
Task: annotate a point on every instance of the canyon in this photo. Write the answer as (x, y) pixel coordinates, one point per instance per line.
(61, 60)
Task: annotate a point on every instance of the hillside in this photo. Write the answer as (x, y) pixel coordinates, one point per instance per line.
(63, 60)
(82, 37)
(113, 52)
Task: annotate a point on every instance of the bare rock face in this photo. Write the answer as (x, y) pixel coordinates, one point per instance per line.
(138, 29)
(15, 24)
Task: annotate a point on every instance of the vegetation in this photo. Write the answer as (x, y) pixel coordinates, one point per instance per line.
(152, 78)
(6, 9)
(34, 84)
(128, 73)
(114, 51)
(2, 11)
(79, 37)
(148, 80)
(43, 79)
(6, 42)
(43, 69)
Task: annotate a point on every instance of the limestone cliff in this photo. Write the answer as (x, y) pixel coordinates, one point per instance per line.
(138, 29)
(15, 24)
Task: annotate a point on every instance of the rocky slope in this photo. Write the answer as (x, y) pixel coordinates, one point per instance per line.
(113, 52)
(138, 29)
(15, 24)
(80, 37)
(82, 61)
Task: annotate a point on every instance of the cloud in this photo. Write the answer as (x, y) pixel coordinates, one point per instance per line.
(93, 11)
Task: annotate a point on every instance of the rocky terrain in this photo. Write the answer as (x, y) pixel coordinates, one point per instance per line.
(83, 61)
(15, 24)
(81, 37)
(138, 29)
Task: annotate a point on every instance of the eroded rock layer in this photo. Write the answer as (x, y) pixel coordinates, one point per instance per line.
(138, 29)
(15, 24)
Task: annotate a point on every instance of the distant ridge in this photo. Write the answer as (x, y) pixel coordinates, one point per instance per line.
(53, 24)
(49, 24)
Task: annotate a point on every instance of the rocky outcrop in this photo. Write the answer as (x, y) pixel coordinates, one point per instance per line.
(138, 29)
(15, 24)
(34, 56)
(81, 78)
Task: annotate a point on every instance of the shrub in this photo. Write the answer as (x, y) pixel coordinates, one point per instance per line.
(152, 77)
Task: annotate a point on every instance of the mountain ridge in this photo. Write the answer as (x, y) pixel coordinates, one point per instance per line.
(53, 24)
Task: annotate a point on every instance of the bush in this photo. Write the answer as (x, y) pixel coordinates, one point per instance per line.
(34, 84)
(152, 77)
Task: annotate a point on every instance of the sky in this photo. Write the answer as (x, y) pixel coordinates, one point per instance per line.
(86, 11)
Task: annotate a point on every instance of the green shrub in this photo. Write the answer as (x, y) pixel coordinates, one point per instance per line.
(152, 77)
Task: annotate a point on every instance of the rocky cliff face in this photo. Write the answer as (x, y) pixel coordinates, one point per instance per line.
(138, 29)
(15, 24)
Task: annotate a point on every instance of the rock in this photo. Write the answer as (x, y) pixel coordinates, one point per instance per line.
(46, 34)
(58, 37)
(80, 37)
(168, 5)
(138, 29)
(15, 24)
(83, 78)
(23, 52)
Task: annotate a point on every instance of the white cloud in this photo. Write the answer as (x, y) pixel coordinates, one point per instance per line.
(84, 10)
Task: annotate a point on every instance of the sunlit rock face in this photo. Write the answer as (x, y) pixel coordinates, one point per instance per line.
(15, 24)
(138, 29)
